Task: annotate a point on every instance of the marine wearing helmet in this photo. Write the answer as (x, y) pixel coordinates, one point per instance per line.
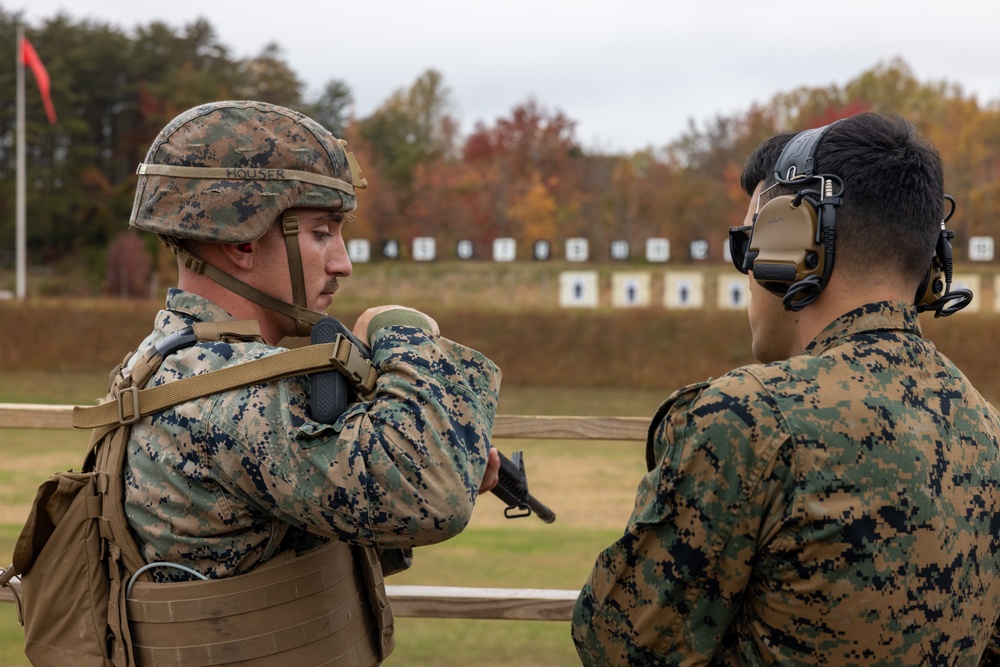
(225, 172)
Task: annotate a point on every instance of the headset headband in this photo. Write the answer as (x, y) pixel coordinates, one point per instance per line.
(798, 160)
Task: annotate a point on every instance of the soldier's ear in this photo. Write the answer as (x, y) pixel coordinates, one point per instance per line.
(240, 255)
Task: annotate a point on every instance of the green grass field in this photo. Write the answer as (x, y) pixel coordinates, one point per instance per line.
(555, 362)
(590, 486)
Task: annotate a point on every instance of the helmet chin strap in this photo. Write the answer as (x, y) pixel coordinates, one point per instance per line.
(290, 229)
(304, 317)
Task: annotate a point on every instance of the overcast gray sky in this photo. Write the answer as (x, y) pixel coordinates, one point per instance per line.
(632, 73)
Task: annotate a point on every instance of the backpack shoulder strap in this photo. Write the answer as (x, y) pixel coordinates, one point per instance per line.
(131, 403)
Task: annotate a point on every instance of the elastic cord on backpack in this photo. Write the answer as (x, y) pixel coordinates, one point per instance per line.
(131, 580)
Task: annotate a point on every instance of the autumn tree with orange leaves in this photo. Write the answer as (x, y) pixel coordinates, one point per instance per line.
(523, 175)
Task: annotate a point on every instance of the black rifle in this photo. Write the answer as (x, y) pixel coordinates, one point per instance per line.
(330, 394)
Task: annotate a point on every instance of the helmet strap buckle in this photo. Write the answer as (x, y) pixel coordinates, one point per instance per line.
(193, 263)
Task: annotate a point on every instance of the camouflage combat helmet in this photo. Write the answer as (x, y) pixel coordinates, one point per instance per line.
(225, 172)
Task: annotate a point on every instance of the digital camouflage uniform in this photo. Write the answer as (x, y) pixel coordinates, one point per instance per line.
(836, 508)
(210, 483)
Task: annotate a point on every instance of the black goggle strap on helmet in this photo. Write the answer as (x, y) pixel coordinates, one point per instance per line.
(304, 318)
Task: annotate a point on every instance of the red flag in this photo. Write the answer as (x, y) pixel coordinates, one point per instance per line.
(30, 58)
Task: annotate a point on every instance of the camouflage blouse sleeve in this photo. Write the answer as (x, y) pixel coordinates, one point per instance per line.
(667, 590)
(401, 471)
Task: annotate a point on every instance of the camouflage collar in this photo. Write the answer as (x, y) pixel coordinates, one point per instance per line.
(194, 306)
(882, 316)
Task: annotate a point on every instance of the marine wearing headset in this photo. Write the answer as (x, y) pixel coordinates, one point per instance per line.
(838, 503)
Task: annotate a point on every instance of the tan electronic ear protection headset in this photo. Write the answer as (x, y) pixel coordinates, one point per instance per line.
(790, 245)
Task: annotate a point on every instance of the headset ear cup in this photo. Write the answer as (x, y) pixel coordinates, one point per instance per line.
(932, 288)
(783, 244)
(938, 274)
(935, 293)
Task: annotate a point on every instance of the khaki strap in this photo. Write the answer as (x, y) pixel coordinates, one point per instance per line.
(378, 598)
(5, 582)
(304, 317)
(290, 229)
(229, 331)
(245, 174)
(133, 403)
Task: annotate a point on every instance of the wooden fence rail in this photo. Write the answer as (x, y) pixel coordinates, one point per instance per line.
(33, 415)
(431, 601)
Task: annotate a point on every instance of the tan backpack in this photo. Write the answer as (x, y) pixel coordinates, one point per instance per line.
(75, 553)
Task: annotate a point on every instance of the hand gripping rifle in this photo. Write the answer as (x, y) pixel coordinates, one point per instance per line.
(330, 394)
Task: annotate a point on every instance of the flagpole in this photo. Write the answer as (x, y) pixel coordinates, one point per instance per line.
(21, 210)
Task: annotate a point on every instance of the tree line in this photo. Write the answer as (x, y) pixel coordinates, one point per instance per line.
(524, 175)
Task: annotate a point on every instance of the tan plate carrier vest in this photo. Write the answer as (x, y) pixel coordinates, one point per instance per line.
(326, 606)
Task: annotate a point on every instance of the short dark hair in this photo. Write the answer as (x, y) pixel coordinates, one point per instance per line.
(893, 199)
(760, 164)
